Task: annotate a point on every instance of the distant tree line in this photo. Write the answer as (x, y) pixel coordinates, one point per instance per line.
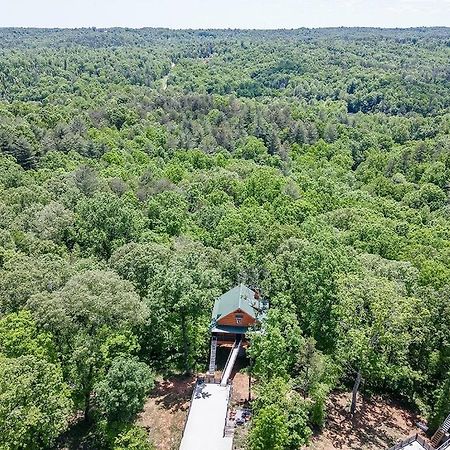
(313, 164)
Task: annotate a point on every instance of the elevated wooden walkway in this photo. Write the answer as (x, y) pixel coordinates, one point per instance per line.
(207, 426)
(230, 362)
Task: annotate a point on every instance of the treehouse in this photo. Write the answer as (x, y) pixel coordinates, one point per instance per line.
(235, 312)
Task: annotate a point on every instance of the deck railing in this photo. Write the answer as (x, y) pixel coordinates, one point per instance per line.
(415, 438)
(228, 430)
(445, 445)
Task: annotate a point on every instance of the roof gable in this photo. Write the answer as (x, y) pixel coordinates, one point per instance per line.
(236, 318)
(240, 297)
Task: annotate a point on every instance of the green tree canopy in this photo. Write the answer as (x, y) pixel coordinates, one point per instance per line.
(34, 403)
(269, 430)
(90, 307)
(377, 323)
(19, 336)
(121, 394)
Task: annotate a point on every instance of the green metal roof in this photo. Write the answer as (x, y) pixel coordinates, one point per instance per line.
(240, 297)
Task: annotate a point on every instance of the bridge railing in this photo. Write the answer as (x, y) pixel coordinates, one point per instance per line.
(226, 373)
(228, 430)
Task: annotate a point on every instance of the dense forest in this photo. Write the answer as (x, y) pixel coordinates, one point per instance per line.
(145, 172)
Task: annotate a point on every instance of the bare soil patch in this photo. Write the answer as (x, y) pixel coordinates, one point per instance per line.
(165, 411)
(377, 425)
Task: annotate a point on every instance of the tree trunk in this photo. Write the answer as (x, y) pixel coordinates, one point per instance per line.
(185, 344)
(355, 392)
(87, 396)
(87, 405)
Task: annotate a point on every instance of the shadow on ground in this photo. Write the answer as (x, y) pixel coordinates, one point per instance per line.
(173, 393)
(378, 424)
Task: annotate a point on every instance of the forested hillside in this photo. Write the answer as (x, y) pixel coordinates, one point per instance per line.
(145, 172)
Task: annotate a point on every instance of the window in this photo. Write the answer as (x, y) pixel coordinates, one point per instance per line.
(238, 318)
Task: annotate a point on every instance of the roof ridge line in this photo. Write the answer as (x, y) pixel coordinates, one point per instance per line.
(240, 296)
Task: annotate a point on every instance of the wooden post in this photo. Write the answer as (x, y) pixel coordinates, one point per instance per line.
(250, 381)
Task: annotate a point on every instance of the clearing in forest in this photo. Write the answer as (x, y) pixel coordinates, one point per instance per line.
(377, 425)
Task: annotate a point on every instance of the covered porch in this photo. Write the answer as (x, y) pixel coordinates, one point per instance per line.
(227, 335)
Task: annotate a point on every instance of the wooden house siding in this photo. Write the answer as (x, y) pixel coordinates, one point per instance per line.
(231, 319)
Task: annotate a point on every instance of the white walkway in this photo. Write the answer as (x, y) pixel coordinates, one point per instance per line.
(414, 446)
(206, 420)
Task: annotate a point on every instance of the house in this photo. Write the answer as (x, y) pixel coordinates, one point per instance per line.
(235, 312)
(207, 425)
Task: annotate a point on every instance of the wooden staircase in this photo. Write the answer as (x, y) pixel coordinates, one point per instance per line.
(446, 425)
(440, 432)
(437, 437)
(212, 356)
